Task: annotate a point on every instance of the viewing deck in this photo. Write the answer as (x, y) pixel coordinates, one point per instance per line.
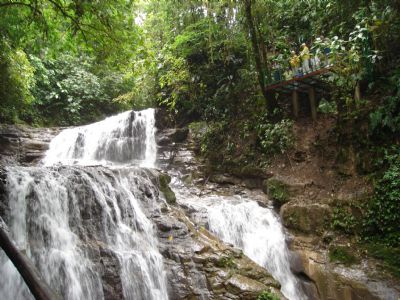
(309, 83)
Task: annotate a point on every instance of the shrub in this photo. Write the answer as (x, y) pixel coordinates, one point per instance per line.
(275, 137)
(266, 295)
(382, 220)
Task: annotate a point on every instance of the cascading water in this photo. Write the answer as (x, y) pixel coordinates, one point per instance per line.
(86, 226)
(259, 233)
(125, 138)
(242, 222)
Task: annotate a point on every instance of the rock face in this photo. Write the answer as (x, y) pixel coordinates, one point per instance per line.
(24, 145)
(334, 281)
(306, 218)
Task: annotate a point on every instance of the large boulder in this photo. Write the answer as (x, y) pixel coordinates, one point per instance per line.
(305, 217)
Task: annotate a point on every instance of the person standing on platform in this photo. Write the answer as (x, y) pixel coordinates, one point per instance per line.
(305, 58)
(295, 63)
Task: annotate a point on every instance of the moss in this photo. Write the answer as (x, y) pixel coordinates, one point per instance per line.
(388, 255)
(169, 195)
(226, 262)
(276, 191)
(342, 255)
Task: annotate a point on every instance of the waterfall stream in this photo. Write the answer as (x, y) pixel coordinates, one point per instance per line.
(82, 216)
(257, 231)
(65, 217)
(242, 222)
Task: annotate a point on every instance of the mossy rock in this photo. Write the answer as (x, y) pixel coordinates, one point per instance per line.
(248, 171)
(180, 135)
(164, 180)
(277, 191)
(306, 218)
(342, 255)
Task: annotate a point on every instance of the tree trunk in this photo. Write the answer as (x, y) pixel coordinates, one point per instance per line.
(269, 101)
(38, 287)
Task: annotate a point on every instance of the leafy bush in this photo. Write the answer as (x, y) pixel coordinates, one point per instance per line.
(275, 137)
(213, 138)
(327, 107)
(382, 220)
(16, 79)
(266, 295)
(67, 92)
(343, 220)
(386, 119)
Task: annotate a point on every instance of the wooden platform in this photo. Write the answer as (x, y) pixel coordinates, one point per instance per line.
(301, 83)
(310, 84)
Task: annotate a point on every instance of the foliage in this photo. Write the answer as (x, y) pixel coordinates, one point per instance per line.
(343, 219)
(389, 255)
(386, 118)
(267, 295)
(16, 80)
(66, 86)
(277, 137)
(226, 262)
(76, 59)
(382, 219)
(327, 107)
(213, 138)
(342, 255)
(277, 191)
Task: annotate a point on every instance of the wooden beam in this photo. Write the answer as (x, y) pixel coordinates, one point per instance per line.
(38, 287)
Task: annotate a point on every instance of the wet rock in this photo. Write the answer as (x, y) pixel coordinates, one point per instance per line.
(238, 283)
(335, 282)
(224, 179)
(112, 285)
(169, 195)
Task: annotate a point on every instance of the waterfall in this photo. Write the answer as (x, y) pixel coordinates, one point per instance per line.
(83, 217)
(256, 230)
(259, 233)
(122, 139)
(86, 228)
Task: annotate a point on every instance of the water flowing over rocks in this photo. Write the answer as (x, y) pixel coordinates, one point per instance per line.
(120, 211)
(99, 227)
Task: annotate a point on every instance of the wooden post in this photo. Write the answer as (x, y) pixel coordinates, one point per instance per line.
(357, 92)
(38, 287)
(295, 103)
(311, 96)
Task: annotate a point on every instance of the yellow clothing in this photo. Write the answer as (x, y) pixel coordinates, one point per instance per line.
(295, 61)
(305, 53)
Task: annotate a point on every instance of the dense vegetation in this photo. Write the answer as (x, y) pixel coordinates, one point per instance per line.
(67, 62)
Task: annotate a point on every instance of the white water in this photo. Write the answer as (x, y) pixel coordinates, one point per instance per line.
(59, 215)
(259, 233)
(242, 222)
(126, 138)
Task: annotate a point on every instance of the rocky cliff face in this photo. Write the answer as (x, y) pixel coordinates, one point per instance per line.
(24, 145)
